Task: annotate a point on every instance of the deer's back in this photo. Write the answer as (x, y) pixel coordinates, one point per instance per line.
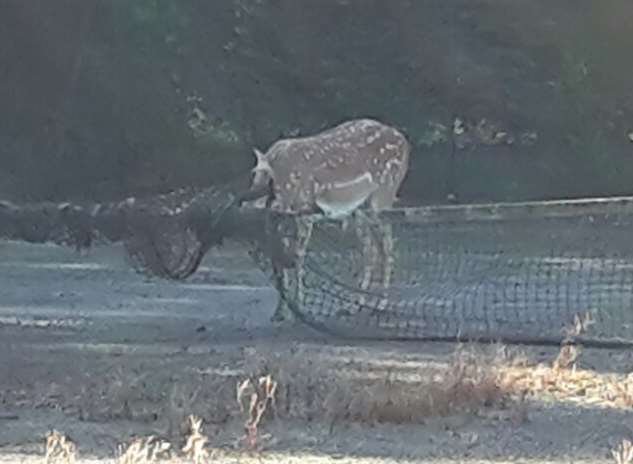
(304, 165)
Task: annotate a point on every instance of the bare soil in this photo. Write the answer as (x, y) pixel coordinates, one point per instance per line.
(94, 350)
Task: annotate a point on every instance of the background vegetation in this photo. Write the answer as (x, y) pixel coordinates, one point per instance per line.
(102, 99)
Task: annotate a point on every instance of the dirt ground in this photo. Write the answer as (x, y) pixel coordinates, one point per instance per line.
(94, 350)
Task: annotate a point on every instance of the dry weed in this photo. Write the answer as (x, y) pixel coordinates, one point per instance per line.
(570, 350)
(194, 448)
(623, 453)
(181, 400)
(143, 451)
(466, 384)
(59, 448)
(620, 392)
(579, 326)
(563, 380)
(590, 387)
(567, 357)
(259, 394)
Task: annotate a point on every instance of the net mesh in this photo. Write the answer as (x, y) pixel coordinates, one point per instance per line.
(516, 272)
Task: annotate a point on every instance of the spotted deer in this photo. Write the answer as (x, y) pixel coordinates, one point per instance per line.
(335, 174)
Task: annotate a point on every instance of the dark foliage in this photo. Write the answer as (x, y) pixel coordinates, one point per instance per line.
(105, 99)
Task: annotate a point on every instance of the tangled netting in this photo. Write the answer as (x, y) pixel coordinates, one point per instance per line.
(172, 241)
(166, 235)
(517, 272)
(520, 272)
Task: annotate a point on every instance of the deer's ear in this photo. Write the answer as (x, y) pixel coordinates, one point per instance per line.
(258, 155)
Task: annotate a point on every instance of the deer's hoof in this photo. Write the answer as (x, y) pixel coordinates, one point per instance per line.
(282, 314)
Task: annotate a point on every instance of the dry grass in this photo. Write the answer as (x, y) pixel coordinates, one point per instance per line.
(260, 395)
(465, 385)
(623, 453)
(564, 381)
(475, 380)
(570, 351)
(291, 389)
(143, 451)
(554, 383)
(489, 382)
(59, 448)
(195, 447)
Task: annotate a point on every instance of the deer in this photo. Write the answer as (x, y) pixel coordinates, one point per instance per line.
(335, 174)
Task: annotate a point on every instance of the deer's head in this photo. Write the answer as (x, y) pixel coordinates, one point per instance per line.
(262, 172)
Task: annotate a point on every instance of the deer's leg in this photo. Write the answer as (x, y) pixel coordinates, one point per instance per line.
(344, 224)
(387, 251)
(304, 233)
(282, 277)
(381, 250)
(388, 261)
(370, 252)
(304, 226)
(364, 236)
(380, 202)
(280, 248)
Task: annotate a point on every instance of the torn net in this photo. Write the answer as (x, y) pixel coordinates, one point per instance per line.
(517, 272)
